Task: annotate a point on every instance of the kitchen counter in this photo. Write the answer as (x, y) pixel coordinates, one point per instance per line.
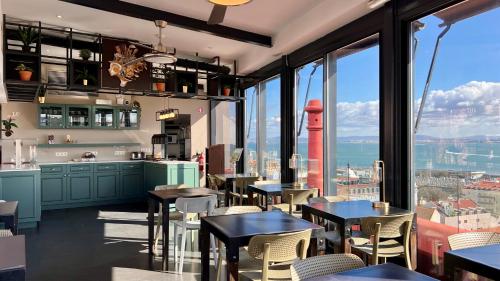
(24, 167)
(165, 162)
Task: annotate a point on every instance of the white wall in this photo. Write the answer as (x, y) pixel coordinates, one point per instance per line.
(27, 122)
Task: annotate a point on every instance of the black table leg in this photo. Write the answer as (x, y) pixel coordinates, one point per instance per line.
(205, 252)
(345, 246)
(165, 225)
(151, 228)
(233, 258)
(226, 185)
(250, 197)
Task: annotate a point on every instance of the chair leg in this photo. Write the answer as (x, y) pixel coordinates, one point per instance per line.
(183, 249)
(214, 251)
(175, 246)
(157, 234)
(219, 261)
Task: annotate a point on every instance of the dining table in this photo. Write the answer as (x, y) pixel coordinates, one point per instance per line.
(267, 191)
(381, 272)
(12, 258)
(229, 179)
(348, 213)
(483, 260)
(235, 231)
(167, 197)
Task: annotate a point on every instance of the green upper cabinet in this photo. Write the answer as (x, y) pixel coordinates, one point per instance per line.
(51, 116)
(128, 117)
(78, 116)
(103, 117)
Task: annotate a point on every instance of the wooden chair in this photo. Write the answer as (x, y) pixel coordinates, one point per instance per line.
(472, 239)
(240, 189)
(294, 198)
(275, 253)
(378, 237)
(216, 184)
(324, 265)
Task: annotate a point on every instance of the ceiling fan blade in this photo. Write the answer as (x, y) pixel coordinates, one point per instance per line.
(217, 14)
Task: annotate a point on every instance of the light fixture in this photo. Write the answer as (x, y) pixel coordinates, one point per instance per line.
(167, 114)
(229, 2)
(160, 54)
(59, 16)
(379, 176)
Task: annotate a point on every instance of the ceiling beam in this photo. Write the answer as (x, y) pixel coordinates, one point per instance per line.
(146, 13)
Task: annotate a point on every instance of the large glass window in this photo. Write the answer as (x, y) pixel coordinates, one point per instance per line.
(309, 124)
(353, 123)
(263, 128)
(455, 125)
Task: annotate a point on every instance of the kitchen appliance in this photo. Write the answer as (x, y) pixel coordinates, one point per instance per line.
(88, 157)
(172, 138)
(137, 155)
(158, 142)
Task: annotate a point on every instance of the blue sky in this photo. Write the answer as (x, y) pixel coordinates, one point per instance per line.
(464, 96)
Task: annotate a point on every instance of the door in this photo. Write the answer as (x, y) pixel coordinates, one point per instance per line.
(24, 188)
(79, 187)
(132, 185)
(106, 185)
(53, 189)
(51, 116)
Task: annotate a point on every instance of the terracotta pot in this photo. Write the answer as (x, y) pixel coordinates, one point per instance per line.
(227, 91)
(160, 87)
(25, 75)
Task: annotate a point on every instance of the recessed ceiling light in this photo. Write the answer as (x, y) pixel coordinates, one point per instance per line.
(59, 16)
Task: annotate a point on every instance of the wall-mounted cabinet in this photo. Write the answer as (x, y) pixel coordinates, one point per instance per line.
(60, 116)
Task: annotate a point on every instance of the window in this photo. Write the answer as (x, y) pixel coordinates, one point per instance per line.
(263, 129)
(455, 153)
(353, 116)
(309, 123)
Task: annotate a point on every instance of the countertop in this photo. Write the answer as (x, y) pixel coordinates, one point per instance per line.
(24, 167)
(165, 162)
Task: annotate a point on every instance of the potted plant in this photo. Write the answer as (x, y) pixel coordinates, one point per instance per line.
(160, 86)
(24, 72)
(85, 76)
(226, 90)
(27, 35)
(8, 124)
(85, 54)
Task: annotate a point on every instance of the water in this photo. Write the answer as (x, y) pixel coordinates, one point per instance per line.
(456, 156)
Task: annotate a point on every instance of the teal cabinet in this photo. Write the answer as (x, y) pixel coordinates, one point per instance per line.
(103, 117)
(79, 186)
(183, 174)
(106, 185)
(51, 116)
(154, 174)
(53, 189)
(128, 118)
(78, 116)
(24, 187)
(132, 185)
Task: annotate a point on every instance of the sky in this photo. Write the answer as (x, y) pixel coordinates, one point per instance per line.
(464, 94)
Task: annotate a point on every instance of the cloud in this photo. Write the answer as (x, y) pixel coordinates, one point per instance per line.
(358, 118)
(469, 109)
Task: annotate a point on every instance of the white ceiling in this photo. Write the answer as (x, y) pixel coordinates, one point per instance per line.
(291, 23)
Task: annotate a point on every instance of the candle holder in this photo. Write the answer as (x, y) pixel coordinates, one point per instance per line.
(295, 163)
(379, 176)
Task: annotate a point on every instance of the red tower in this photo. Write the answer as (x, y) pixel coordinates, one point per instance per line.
(314, 111)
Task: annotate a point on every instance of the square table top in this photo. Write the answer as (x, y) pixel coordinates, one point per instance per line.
(16, 258)
(488, 255)
(8, 208)
(172, 194)
(245, 226)
(350, 210)
(271, 188)
(386, 271)
(225, 177)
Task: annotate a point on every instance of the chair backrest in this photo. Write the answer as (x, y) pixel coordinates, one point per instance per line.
(326, 199)
(234, 210)
(280, 247)
(196, 204)
(392, 226)
(242, 183)
(213, 182)
(324, 265)
(299, 196)
(165, 187)
(472, 239)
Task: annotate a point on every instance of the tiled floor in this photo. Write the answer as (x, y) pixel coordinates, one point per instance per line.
(106, 243)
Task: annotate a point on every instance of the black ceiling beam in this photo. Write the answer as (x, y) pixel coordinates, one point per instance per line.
(146, 13)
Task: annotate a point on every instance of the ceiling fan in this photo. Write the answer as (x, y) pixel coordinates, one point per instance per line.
(220, 7)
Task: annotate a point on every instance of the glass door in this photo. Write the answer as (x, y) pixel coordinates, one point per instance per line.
(51, 116)
(104, 117)
(128, 118)
(77, 116)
